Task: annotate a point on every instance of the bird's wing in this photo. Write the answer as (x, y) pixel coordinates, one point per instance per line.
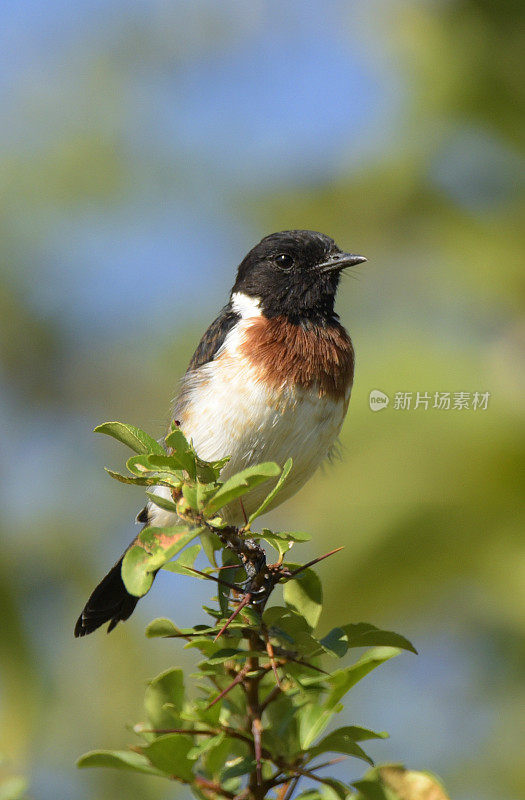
(214, 338)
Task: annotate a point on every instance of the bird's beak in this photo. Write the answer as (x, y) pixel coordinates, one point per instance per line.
(339, 261)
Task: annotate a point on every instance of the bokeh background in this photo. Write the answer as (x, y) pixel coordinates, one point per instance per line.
(144, 148)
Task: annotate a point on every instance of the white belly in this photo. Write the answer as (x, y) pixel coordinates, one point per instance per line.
(226, 411)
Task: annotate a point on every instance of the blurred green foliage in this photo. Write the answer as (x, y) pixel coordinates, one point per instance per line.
(428, 504)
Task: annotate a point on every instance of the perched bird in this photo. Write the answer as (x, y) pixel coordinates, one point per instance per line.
(270, 379)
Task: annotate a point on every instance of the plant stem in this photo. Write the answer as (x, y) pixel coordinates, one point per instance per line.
(254, 726)
(212, 789)
(290, 788)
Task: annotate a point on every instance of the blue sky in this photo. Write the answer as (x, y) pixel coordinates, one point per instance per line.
(276, 100)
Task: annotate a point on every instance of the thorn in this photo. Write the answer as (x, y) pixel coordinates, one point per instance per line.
(314, 561)
(292, 787)
(238, 678)
(307, 773)
(243, 512)
(328, 763)
(213, 578)
(270, 698)
(244, 602)
(306, 664)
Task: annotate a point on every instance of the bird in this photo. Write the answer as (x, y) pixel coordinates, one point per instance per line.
(269, 380)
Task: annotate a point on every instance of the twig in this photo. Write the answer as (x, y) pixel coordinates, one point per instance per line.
(291, 787)
(271, 697)
(238, 679)
(213, 578)
(244, 602)
(269, 650)
(328, 763)
(314, 561)
(257, 746)
(251, 687)
(211, 788)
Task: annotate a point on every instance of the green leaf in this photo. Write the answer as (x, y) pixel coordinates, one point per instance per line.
(282, 542)
(343, 740)
(165, 627)
(371, 787)
(337, 789)
(403, 784)
(237, 767)
(281, 545)
(363, 634)
(343, 680)
(189, 493)
(204, 492)
(126, 479)
(186, 559)
(147, 463)
(222, 754)
(182, 450)
(200, 712)
(229, 559)
(280, 733)
(137, 579)
(162, 502)
(313, 719)
(304, 594)
(204, 744)
(169, 754)
(252, 617)
(206, 646)
(135, 438)
(155, 547)
(213, 612)
(354, 733)
(152, 479)
(335, 642)
(227, 654)
(120, 759)
(210, 545)
(178, 442)
(294, 536)
(13, 788)
(164, 699)
(275, 491)
(209, 471)
(161, 627)
(240, 484)
(291, 628)
(306, 676)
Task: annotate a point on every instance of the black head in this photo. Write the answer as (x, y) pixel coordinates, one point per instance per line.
(294, 274)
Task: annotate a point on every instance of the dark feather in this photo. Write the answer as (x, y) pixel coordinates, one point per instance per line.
(214, 338)
(109, 602)
(142, 516)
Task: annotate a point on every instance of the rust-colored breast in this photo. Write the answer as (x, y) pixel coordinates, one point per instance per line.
(311, 357)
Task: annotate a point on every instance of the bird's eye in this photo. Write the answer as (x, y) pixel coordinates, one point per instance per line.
(284, 261)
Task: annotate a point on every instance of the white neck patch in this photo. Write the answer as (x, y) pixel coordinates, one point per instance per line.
(246, 306)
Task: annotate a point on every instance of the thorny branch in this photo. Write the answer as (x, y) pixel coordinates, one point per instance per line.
(260, 581)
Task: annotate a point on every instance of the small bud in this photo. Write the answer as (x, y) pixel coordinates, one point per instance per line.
(183, 506)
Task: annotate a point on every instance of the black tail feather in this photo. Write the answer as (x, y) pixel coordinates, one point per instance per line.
(109, 602)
